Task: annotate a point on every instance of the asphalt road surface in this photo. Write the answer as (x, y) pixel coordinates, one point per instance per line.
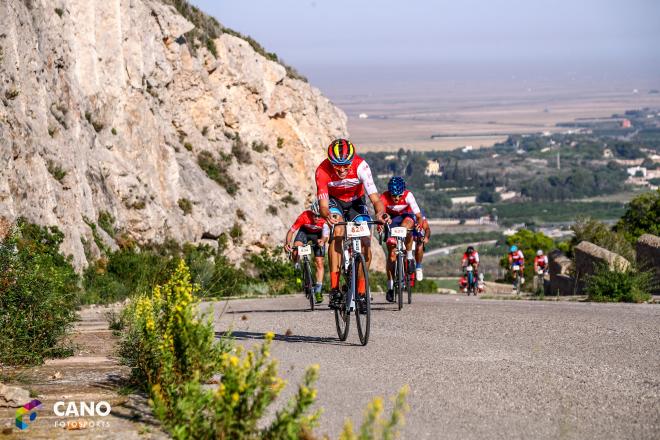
(477, 369)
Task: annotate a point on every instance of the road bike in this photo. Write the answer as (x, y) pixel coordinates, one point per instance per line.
(472, 280)
(352, 264)
(539, 281)
(517, 277)
(307, 281)
(402, 279)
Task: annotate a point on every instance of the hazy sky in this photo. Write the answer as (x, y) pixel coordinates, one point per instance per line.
(319, 36)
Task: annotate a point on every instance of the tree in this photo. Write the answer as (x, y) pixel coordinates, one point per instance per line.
(487, 195)
(641, 217)
(528, 242)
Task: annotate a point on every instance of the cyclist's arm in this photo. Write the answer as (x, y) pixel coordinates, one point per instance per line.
(287, 240)
(378, 205)
(322, 180)
(410, 200)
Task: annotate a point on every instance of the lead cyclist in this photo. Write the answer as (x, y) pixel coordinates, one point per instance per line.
(342, 180)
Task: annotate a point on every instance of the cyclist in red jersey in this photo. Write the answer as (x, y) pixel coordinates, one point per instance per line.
(402, 208)
(342, 181)
(311, 227)
(540, 261)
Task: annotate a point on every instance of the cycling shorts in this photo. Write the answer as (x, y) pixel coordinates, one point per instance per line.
(304, 237)
(396, 221)
(353, 211)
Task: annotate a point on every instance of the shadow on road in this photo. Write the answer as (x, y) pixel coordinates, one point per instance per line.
(234, 312)
(244, 336)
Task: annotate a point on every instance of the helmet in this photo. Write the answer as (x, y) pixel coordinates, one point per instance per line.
(341, 152)
(469, 250)
(314, 207)
(396, 186)
(513, 248)
(539, 252)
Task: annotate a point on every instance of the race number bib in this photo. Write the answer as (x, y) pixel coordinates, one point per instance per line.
(516, 268)
(399, 232)
(304, 250)
(357, 230)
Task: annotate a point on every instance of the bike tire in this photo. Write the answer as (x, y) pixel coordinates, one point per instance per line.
(399, 281)
(363, 320)
(343, 314)
(307, 280)
(409, 287)
(470, 286)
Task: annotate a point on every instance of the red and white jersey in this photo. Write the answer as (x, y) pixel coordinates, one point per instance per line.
(308, 223)
(353, 186)
(517, 257)
(406, 203)
(541, 261)
(473, 258)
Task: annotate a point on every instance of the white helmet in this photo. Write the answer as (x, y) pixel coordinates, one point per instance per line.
(314, 207)
(539, 252)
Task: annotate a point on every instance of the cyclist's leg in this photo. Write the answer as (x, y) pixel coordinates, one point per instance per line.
(335, 245)
(358, 212)
(299, 240)
(319, 254)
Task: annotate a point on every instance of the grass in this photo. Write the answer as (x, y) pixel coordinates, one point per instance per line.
(55, 170)
(185, 205)
(217, 171)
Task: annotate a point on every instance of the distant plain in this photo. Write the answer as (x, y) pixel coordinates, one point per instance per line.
(479, 114)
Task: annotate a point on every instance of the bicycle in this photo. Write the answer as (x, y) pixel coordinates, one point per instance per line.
(402, 279)
(471, 280)
(517, 277)
(308, 283)
(352, 262)
(539, 282)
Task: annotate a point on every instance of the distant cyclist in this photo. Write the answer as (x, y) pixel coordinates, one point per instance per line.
(516, 258)
(422, 237)
(540, 262)
(342, 180)
(471, 257)
(401, 206)
(311, 227)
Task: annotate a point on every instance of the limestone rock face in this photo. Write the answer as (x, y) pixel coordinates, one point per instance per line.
(103, 109)
(588, 256)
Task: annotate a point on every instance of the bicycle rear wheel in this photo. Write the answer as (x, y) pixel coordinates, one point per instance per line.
(409, 287)
(363, 319)
(400, 274)
(343, 314)
(307, 283)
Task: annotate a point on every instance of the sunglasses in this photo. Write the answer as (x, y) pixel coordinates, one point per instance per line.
(341, 167)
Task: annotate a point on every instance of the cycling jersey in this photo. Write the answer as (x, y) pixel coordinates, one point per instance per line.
(404, 205)
(472, 259)
(517, 258)
(352, 187)
(307, 223)
(541, 261)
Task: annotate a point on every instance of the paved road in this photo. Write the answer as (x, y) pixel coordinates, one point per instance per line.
(477, 368)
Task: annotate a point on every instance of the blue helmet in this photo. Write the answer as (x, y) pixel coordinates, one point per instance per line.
(513, 248)
(396, 186)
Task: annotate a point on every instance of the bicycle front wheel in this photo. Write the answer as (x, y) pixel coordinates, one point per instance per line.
(307, 280)
(363, 319)
(343, 313)
(400, 274)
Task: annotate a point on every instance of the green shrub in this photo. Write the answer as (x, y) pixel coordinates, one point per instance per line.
(374, 426)
(641, 217)
(38, 291)
(275, 270)
(185, 205)
(107, 222)
(280, 142)
(240, 152)
(12, 94)
(272, 210)
(619, 286)
(172, 352)
(236, 232)
(240, 214)
(113, 131)
(259, 147)
(217, 171)
(59, 12)
(188, 146)
(55, 170)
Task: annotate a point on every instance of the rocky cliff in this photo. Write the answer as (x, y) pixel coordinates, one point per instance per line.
(111, 113)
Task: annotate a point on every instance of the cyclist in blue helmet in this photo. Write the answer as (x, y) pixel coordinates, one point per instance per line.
(401, 206)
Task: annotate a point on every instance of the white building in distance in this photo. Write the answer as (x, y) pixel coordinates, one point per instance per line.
(432, 168)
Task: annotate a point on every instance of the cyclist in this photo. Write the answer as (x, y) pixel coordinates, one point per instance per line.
(311, 227)
(540, 264)
(516, 258)
(421, 237)
(403, 210)
(342, 180)
(471, 257)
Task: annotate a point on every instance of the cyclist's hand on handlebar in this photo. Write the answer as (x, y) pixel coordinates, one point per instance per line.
(287, 247)
(383, 216)
(333, 219)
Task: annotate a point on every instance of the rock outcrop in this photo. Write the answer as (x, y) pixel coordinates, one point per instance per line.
(588, 256)
(106, 113)
(648, 257)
